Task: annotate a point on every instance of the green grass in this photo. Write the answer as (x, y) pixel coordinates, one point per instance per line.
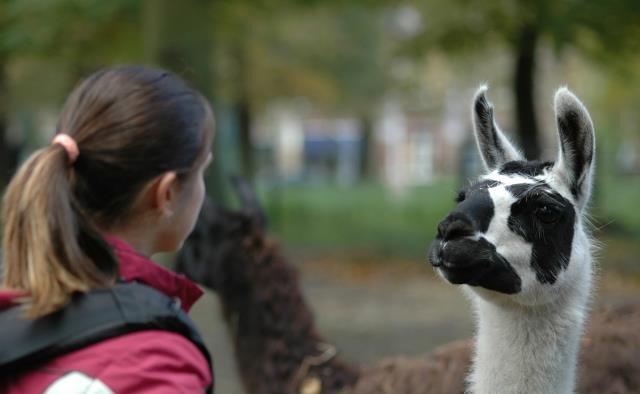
(617, 204)
(616, 213)
(362, 219)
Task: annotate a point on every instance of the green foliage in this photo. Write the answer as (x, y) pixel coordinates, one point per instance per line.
(330, 53)
(601, 29)
(84, 32)
(46, 46)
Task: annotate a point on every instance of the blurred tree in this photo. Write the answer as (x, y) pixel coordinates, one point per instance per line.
(8, 152)
(360, 65)
(330, 53)
(82, 35)
(604, 30)
(179, 36)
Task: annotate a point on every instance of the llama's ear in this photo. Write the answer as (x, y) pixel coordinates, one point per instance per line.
(577, 145)
(249, 200)
(494, 146)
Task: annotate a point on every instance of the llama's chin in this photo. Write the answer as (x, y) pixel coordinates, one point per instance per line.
(487, 276)
(474, 262)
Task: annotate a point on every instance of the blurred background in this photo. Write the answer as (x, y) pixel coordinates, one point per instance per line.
(352, 120)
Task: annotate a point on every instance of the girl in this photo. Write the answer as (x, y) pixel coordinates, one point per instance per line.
(122, 180)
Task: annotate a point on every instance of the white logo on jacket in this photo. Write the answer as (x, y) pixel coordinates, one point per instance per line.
(77, 383)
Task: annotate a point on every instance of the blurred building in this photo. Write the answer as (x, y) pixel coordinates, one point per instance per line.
(408, 149)
(295, 148)
(332, 150)
(404, 148)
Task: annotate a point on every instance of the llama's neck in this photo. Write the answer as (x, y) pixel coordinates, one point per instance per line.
(276, 342)
(528, 349)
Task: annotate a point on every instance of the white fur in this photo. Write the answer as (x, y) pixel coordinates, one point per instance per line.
(528, 342)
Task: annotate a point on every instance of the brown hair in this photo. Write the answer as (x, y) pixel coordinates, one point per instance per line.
(131, 124)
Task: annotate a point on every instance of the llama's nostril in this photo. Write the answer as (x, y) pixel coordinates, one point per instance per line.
(453, 228)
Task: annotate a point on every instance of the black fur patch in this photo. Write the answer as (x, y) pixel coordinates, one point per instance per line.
(475, 203)
(494, 273)
(526, 168)
(546, 220)
(475, 263)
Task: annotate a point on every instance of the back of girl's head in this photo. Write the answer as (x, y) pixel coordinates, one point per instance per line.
(131, 124)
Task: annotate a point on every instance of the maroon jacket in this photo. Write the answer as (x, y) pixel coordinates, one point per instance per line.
(141, 362)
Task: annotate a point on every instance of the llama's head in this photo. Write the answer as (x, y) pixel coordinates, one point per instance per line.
(517, 233)
(217, 251)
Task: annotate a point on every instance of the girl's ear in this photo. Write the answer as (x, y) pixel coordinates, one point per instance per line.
(494, 146)
(163, 193)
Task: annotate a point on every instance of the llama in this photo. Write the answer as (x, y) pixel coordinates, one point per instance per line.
(517, 242)
(279, 350)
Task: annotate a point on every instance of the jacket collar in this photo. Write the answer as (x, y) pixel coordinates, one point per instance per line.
(136, 267)
(9, 298)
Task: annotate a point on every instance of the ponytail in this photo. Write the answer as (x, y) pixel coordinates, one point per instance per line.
(50, 248)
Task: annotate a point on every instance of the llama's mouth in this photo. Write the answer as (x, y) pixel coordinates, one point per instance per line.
(475, 263)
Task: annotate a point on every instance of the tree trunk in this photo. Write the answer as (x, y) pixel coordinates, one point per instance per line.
(243, 112)
(366, 146)
(242, 108)
(8, 154)
(526, 124)
(178, 36)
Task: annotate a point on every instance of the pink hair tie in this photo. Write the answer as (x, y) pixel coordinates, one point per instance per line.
(69, 144)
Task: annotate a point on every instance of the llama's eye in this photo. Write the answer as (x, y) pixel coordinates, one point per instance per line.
(461, 196)
(547, 214)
